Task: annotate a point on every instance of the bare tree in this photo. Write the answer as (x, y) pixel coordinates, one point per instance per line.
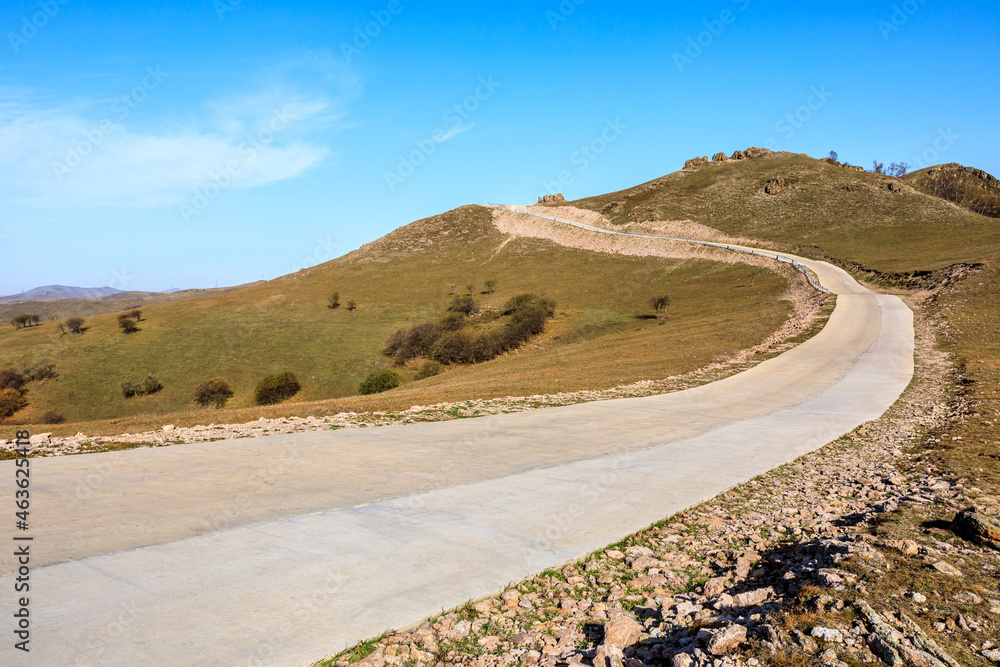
(660, 304)
(834, 156)
(333, 301)
(898, 169)
(491, 286)
(75, 324)
(878, 167)
(352, 305)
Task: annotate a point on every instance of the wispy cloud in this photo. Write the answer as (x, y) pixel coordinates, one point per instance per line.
(453, 132)
(88, 153)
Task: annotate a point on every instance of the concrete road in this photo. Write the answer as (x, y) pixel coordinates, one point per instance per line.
(278, 550)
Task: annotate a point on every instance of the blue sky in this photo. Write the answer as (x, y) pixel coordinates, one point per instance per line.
(150, 145)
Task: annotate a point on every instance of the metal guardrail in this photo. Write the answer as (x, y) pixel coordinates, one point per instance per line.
(746, 251)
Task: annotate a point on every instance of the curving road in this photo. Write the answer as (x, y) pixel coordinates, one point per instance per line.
(277, 550)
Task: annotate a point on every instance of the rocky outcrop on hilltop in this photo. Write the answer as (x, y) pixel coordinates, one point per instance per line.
(751, 153)
(551, 199)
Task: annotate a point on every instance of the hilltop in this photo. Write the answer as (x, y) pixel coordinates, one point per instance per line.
(815, 207)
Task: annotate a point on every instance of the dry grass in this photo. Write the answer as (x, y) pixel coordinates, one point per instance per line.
(599, 338)
(866, 223)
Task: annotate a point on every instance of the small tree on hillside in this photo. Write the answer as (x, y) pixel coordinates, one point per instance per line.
(352, 305)
(660, 304)
(898, 169)
(75, 325)
(127, 323)
(491, 286)
(878, 167)
(834, 156)
(333, 301)
(134, 313)
(213, 392)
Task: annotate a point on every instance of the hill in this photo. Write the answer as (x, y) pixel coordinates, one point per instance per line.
(602, 335)
(57, 293)
(968, 187)
(815, 207)
(62, 309)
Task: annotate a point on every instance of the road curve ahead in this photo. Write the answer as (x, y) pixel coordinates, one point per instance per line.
(277, 550)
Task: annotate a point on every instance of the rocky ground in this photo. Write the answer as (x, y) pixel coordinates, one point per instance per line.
(791, 568)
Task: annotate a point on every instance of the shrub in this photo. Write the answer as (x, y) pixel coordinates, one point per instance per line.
(75, 324)
(491, 286)
(395, 343)
(464, 304)
(151, 385)
(516, 302)
(127, 324)
(659, 304)
(134, 313)
(453, 321)
(148, 386)
(277, 388)
(333, 301)
(352, 305)
(52, 417)
(11, 401)
(213, 392)
(429, 369)
(43, 370)
(11, 378)
(22, 321)
(379, 381)
(453, 348)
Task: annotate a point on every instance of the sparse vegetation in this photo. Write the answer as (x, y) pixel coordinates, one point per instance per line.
(127, 323)
(428, 369)
(52, 417)
(963, 187)
(379, 381)
(11, 378)
(214, 392)
(352, 305)
(490, 285)
(277, 388)
(11, 400)
(660, 303)
(333, 301)
(75, 325)
(148, 386)
(24, 321)
(449, 342)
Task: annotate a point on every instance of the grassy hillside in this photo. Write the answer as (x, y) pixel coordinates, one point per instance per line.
(54, 311)
(599, 337)
(820, 208)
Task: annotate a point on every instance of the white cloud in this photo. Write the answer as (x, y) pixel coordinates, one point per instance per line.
(76, 154)
(453, 132)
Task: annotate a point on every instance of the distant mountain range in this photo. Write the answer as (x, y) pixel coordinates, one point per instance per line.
(59, 293)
